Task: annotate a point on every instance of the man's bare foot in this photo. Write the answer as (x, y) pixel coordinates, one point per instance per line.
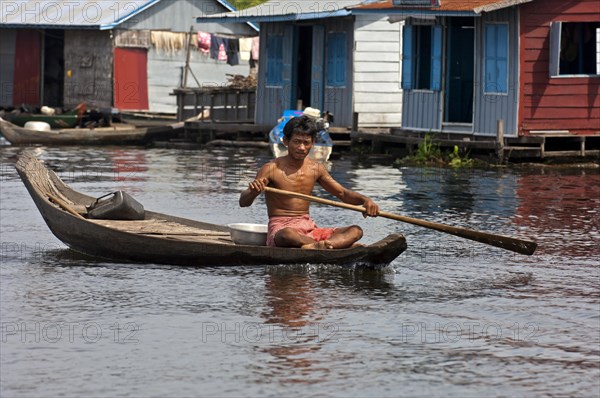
(358, 245)
(324, 244)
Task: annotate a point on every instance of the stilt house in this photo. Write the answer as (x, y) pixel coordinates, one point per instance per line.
(126, 54)
(532, 64)
(328, 56)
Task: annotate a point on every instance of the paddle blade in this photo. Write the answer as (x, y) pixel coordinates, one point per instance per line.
(504, 242)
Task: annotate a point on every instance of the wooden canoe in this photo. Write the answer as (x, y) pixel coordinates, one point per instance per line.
(116, 134)
(164, 239)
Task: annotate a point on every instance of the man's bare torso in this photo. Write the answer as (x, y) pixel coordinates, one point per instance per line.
(290, 176)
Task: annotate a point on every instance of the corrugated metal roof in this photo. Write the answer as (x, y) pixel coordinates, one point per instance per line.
(277, 10)
(446, 7)
(70, 14)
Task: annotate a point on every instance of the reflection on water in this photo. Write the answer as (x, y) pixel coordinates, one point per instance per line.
(449, 317)
(564, 207)
(291, 307)
(128, 166)
(299, 303)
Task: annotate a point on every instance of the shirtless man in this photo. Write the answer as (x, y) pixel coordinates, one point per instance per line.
(289, 222)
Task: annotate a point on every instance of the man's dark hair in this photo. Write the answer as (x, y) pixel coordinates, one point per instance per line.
(300, 125)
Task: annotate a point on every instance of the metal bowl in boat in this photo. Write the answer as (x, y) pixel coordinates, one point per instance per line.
(37, 126)
(249, 234)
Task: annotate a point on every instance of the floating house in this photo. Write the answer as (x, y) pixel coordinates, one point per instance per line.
(124, 54)
(325, 55)
(533, 65)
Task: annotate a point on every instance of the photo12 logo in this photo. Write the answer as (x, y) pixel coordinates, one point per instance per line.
(71, 332)
(65, 12)
(254, 332)
(453, 332)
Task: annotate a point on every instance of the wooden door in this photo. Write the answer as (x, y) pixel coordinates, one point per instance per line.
(318, 62)
(460, 71)
(131, 78)
(27, 77)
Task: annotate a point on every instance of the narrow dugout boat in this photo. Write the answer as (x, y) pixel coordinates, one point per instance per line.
(116, 134)
(164, 239)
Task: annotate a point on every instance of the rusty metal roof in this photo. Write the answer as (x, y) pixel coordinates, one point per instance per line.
(445, 6)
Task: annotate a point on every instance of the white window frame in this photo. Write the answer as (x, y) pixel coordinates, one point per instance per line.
(554, 61)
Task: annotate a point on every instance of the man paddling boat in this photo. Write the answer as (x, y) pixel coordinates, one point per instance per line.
(290, 224)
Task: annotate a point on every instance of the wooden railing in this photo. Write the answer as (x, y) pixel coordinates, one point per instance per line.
(216, 104)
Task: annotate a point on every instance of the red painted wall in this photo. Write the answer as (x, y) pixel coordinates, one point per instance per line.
(28, 66)
(131, 78)
(554, 103)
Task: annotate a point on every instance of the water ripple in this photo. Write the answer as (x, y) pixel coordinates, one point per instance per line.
(449, 317)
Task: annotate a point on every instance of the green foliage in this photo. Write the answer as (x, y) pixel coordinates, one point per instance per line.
(456, 160)
(428, 153)
(241, 4)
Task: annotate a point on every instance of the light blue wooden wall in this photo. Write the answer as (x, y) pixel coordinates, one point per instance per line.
(422, 110)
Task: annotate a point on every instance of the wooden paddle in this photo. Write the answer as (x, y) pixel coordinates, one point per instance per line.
(505, 242)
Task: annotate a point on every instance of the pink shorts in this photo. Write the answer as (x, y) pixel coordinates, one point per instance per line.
(303, 224)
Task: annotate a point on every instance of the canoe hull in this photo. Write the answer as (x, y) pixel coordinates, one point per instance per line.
(97, 240)
(126, 134)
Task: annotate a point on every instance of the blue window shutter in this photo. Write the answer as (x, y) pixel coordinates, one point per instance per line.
(274, 60)
(317, 71)
(490, 58)
(407, 57)
(436, 58)
(329, 72)
(336, 59)
(502, 58)
(496, 58)
(340, 66)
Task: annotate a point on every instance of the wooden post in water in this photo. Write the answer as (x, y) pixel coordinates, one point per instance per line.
(187, 58)
(500, 140)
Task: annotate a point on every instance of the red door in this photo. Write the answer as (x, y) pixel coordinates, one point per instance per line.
(131, 78)
(27, 68)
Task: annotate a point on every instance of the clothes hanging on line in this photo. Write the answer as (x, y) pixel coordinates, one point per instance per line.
(245, 48)
(228, 48)
(255, 48)
(204, 40)
(218, 48)
(232, 49)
